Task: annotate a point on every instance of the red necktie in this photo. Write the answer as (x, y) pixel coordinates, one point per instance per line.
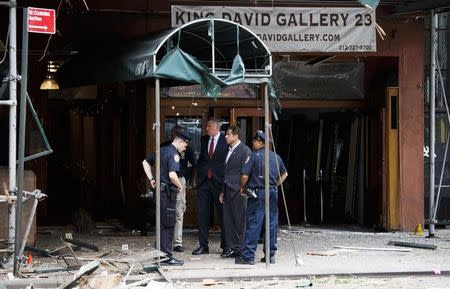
(210, 153)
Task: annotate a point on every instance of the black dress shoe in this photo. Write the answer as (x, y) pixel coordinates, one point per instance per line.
(200, 250)
(229, 254)
(244, 262)
(178, 248)
(271, 259)
(172, 262)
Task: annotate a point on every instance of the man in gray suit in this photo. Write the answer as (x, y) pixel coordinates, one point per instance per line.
(234, 205)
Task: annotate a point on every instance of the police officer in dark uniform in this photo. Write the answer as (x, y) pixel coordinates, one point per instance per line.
(170, 186)
(188, 162)
(252, 185)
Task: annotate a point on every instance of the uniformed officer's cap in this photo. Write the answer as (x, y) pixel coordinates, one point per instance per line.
(184, 136)
(260, 135)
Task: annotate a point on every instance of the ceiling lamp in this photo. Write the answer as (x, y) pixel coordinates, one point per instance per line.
(49, 82)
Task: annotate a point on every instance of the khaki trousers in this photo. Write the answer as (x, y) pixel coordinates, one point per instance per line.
(179, 214)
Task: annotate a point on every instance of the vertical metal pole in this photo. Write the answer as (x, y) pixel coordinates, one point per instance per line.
(361, 175)
(22, 125)
(304, 196)
(158, 165)
(321, 197)
(12, 126)
(433, 24)
(266, 174)
(213, 47)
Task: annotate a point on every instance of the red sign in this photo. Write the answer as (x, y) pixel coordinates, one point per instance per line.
(41, 20)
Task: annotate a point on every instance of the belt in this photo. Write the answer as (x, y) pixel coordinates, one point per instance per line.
(262, 188)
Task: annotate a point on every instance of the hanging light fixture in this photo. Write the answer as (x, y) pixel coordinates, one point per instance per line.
(49, 82)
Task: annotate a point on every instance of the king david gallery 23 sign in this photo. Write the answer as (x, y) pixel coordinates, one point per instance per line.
(306, 29)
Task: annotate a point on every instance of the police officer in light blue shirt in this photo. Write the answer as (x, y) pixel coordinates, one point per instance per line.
(252, 185)
(170, 187)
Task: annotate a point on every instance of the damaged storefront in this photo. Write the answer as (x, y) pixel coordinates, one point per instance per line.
(347, 120)
(343, 123)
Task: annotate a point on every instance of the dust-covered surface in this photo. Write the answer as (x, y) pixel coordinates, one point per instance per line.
(434, 282)
(315, 259)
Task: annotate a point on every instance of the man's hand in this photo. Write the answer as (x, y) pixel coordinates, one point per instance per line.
(242, 191)
(221, 198)
(153, 183)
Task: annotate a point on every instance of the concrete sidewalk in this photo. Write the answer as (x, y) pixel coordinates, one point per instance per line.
(323, 240)
(341, 262)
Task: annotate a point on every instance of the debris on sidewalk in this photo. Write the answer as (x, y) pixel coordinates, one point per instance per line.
(372, 249)
(84, 270)
(322, 253)
(209, 282)
(413, 245)
(81, 244)
(304, 283)
(102, 281)
(262, 284)
(299, 261)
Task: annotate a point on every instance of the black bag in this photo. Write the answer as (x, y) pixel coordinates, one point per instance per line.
(173, 191)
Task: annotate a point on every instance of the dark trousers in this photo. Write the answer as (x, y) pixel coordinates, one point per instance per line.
(234, 219)
(208, 197)
(168, 216)
(255, 221)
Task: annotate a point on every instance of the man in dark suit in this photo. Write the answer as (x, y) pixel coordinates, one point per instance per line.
(234, 204)
(210, 169)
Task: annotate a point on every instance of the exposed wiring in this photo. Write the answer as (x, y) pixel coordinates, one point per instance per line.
(6, 47)
(85, 4)
(51, 35)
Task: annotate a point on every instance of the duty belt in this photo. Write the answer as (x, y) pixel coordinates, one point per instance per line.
(262, 188)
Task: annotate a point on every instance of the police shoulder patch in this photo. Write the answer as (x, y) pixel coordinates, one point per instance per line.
(176, 157)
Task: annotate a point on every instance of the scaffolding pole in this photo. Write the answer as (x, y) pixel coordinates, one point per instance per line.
(21, 151)
(157, 127)
(12, 127)
(433, 25)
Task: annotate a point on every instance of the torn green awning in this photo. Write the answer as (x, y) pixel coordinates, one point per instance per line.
(211, 52)
(180, 66)
(370, 3)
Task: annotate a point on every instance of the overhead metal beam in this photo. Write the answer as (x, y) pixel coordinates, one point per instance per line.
(421, 5)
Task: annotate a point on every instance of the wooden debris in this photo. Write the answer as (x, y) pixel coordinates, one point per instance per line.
(104, 254)
(209, 282)
(7, 197)
(322, 253)
(372, 249)
(84, 270)
(100, 281)
(124, 280)
(138, 283)
(103, 262)
(413, 245)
